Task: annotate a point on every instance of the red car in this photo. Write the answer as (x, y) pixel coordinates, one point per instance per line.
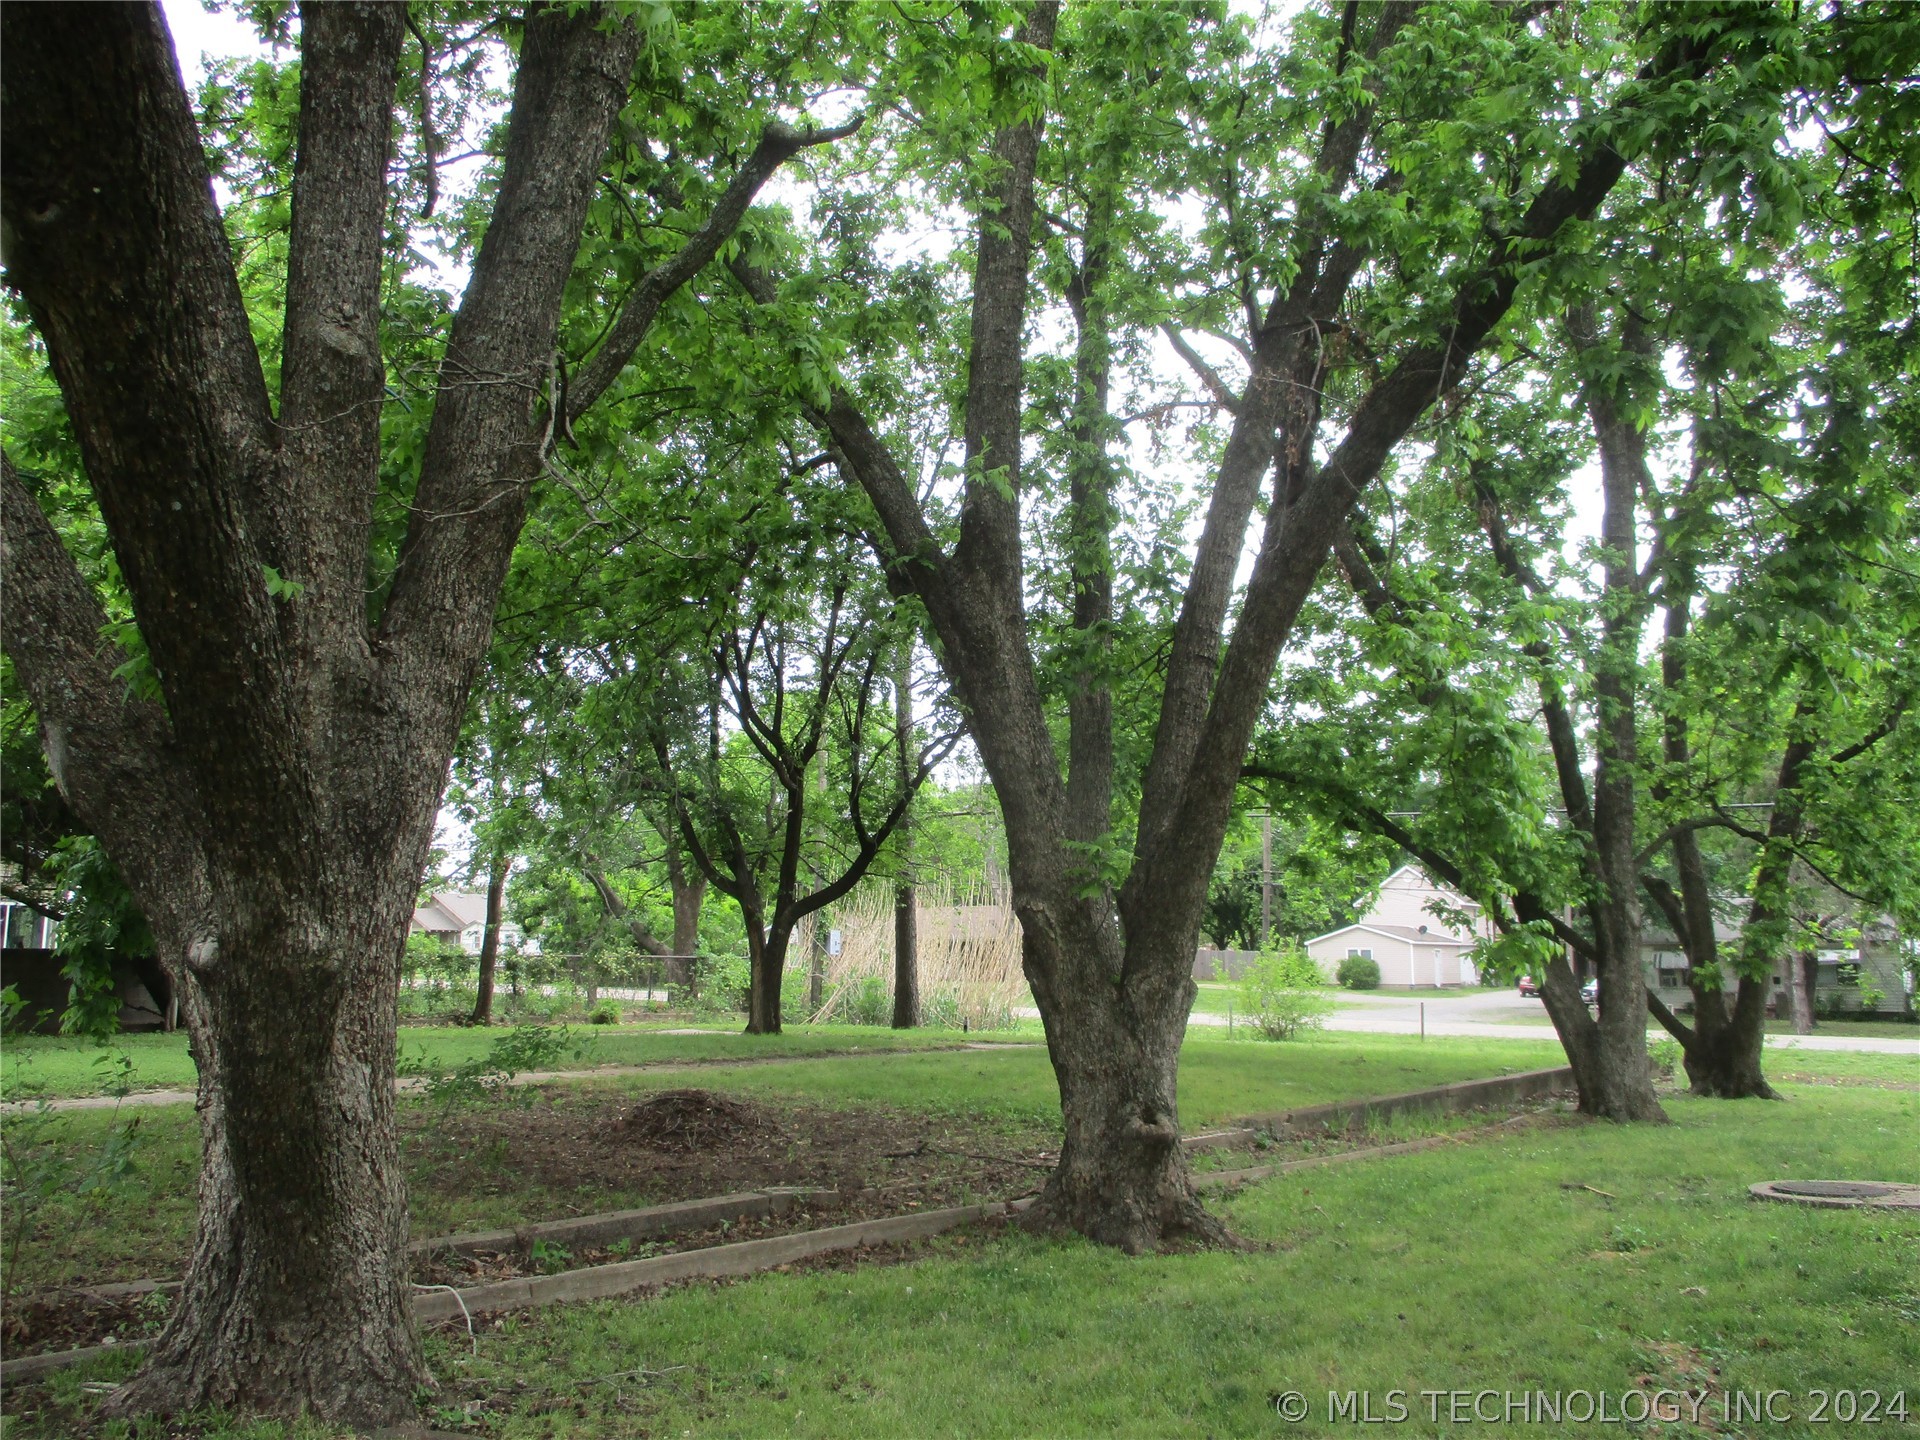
(1529, 986)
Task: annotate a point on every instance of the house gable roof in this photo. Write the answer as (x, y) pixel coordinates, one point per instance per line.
(1398, 932)
(451, 911)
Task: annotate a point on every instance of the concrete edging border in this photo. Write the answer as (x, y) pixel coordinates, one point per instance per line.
(611, 1225)
(746, 1257)
(743, 1257)
(1445, 1099)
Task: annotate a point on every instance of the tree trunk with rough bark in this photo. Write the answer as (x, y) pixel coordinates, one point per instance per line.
(1122, 1178)
(490, 945)
(272, 815)
(1115, 1009)
(1802, 974)
(1724, 1060)
(906, 966)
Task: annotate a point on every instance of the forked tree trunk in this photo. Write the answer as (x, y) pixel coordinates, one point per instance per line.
(1723, 1059)
(1608, 1056)
(768, 962)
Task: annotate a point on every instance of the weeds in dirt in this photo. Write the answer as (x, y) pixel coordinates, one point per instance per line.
(41, 1161)
(488, 1079)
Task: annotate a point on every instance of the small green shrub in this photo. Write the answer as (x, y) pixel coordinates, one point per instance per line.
(722, 983)
(488, 1078)
(1280, 994)
(606, 1012)
(1358, 972)
(1664, 1056)
(41, 1162)
(870, 1004)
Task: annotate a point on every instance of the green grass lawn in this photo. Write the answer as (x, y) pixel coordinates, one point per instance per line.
(113, 1236)
(1220, 1079)
(1888, 1029)
(62, 1066)
(1494, 1265)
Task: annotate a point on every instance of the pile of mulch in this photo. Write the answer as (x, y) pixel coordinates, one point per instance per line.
(684, 1121)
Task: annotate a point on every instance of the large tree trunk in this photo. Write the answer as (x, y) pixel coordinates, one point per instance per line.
(906, 965)
(490, 945)
(1613, 882)
(1724, 1058)
(303, 1209)
(1122, 1177)
(272, 816)
(689, 887)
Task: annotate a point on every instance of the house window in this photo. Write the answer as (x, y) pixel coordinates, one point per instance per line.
(1847, 972)
(1672, 979)
(1359, 954)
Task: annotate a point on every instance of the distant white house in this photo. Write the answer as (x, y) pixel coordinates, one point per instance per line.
(459, 917)
(1406, 934)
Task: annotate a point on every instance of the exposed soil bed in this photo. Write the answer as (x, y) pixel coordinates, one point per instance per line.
(36, 1324)
(617, 1150)
(604, 1150)
(688, 1144)
(614, 1151)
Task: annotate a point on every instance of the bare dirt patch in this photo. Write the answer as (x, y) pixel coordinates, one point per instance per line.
(608, 1151)
(39, 1323)
(612, 1151)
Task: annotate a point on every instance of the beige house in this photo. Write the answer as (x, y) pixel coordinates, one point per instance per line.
(1419, 932)
(459, 917)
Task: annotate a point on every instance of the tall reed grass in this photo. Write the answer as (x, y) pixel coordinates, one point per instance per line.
(967, 952)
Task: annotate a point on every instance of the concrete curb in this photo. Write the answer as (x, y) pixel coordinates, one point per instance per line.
(31, 1367)
(612, 1225)
(1443, 1099)
(744, 1257)
(1220, 1179)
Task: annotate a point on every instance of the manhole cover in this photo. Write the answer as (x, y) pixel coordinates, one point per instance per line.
(1841, 1194)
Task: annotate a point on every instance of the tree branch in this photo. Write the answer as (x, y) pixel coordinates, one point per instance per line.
(778, 144)
(332, 378)
(484, 447)
(110, 754)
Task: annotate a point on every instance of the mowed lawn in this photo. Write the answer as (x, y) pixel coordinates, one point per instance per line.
(1583, 1258)
(57, 1066)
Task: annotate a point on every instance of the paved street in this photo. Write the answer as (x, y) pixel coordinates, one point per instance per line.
(1508, 1015)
